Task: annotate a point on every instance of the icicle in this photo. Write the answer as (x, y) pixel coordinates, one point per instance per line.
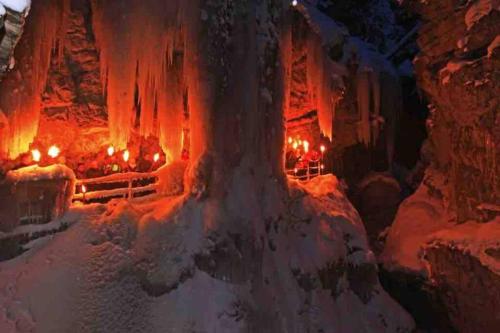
(171, 107)
(319, 85)
(199, 91)
(21, 90)
(363, 99)
(375, 92)
(390, 107)
(136, 40)
(114, 23)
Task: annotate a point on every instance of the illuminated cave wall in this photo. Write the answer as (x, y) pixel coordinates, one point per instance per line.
(137, 42)
(21, 90)
(102, 73)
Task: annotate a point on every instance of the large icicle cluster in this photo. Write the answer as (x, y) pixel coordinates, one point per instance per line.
(377, 90)
(321, 70)
(322, 83)
(20, 93)
(137, 40)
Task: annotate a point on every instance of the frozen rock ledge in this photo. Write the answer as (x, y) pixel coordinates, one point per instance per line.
(159, 267)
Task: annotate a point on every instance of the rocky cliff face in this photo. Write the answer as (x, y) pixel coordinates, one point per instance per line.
(458, 69)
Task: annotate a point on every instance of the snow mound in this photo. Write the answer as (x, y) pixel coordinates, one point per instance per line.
(35, 173)
(418, 217)
(16, 5)
(171, 178)
(424, 220)
(377, 177)
(476, 239)
(183, 265)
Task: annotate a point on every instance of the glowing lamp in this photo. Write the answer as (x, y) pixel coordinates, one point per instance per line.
(54, 151)
(294, 3)
(295, 170)
(290, 140)
(36, 155)
(84, 190)
(322, 148)
(126, 155)
(111, 151)
(156, 157)
(295, 145)
(322, 167)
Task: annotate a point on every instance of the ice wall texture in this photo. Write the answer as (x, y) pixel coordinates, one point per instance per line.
(136, 40)
(336, 60)
(20, 96)
(446, 230)
(140, 46)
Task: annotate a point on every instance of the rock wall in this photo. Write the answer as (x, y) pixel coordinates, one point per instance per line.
(467, 286)
(458, 70)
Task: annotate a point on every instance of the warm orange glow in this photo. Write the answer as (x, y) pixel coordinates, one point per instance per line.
(322, 148)
(36, 155)
(295, 170)
(111, 151)
(322, 166)
(295, 145)
(306, 146)
(290, 140)
(156, 157)
(126, 155)
(54, 151)
(84, 189)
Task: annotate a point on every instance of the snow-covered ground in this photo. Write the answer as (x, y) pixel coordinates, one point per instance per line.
(162, 266)
(424, 220)
(36, 173)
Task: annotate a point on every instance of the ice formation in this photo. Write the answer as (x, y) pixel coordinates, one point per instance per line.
(320, 85)
(20, 96)
(376, 81)
(320, 67)
(136, 40)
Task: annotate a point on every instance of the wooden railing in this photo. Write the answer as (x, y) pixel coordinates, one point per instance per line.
(313, 169)
(121, 185)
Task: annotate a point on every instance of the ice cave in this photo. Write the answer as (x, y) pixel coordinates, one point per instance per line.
(260, 166)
